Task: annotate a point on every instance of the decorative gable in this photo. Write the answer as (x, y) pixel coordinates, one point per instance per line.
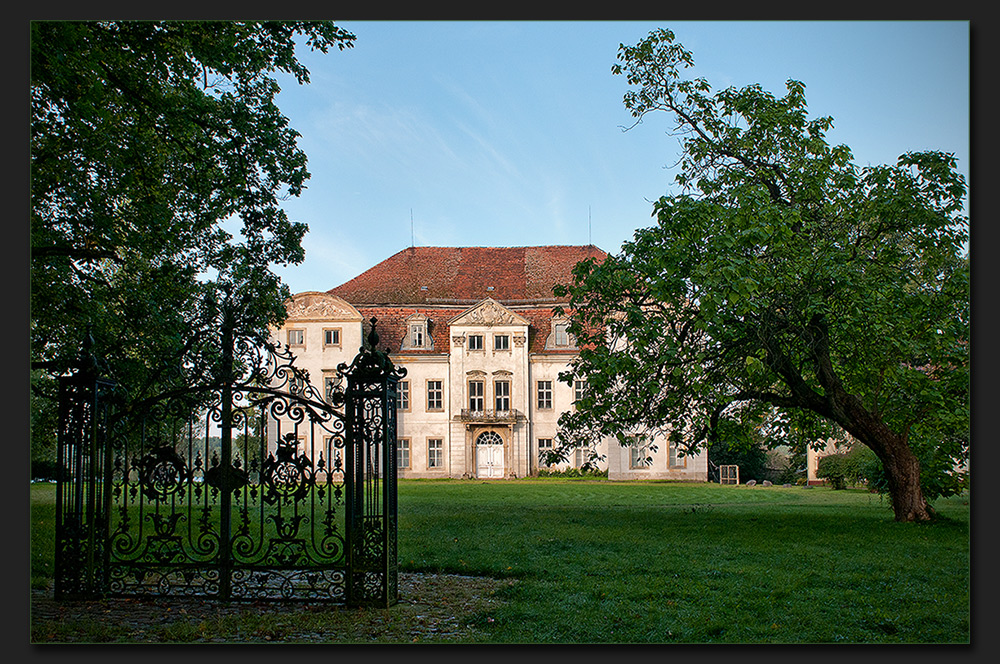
(320, 306)
(488, 313)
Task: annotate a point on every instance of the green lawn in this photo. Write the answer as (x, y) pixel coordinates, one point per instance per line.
(600, 562)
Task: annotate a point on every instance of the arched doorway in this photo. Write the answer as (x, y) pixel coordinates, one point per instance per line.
(489, 455)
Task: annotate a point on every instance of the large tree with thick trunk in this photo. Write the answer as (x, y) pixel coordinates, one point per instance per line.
(785, 289)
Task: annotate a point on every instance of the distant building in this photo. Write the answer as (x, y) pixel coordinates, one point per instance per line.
(475, 330)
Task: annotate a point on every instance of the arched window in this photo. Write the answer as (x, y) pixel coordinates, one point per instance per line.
(489, 438)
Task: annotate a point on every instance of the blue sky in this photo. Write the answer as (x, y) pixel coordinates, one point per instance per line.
(504, 133)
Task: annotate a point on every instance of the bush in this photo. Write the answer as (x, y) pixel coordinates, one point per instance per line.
(572, 472)
(858, 467)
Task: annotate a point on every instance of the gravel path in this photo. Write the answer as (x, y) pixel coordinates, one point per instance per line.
(432, 608)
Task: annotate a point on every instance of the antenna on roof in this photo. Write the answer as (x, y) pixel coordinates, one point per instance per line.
(411, 228)
(590, 237)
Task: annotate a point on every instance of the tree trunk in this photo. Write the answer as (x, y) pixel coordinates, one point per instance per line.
(902, 471)
(901, 466)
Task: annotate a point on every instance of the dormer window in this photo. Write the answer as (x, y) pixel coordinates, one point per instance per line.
(417, 331)
(561, 334)
(417, 335)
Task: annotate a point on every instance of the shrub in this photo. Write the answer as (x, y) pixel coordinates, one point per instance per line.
(572, 472)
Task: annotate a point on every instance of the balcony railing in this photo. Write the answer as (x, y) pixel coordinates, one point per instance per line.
(488, 416)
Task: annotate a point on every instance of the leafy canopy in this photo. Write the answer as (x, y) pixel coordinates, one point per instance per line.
(783, 275)
(159, 161)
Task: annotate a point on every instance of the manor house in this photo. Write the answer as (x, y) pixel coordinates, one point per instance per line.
(475, 329)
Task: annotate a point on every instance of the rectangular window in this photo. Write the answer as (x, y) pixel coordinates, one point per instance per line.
(435, 453)
(578, 386)
(331, 336)
(296, 337)
(580, 456)
(329, 384)
(677, 461)
(562, 335)
(544, 394)
(476, 400)
(475, 342)
(501, 393)
(544, 446)
(638, 454)
(501, 342)
(417, 336)
(404, 395)
(403, 453)
(435, 395)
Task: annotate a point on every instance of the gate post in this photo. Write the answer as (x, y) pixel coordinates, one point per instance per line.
(370, 408)
(83, 488)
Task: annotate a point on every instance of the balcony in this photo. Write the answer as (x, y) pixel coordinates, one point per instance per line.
(488, 416)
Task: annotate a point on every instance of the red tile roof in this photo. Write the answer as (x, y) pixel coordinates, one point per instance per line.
(465, 275)
(443, 282)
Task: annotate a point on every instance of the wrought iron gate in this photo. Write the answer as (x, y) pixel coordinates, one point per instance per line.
(267, 490)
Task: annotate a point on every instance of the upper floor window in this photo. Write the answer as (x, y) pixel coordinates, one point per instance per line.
(404, 395)
(475, 342)
(329, 385)
(435, 395)
(544, 394)
(331, 336)
(417, 335)
(578, 387)
(501, 342)
(501, 393)
(476, 399)
(296, 337)
(561, 334)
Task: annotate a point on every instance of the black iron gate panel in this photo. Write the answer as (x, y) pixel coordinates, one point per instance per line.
(267, 490)
(371, 402)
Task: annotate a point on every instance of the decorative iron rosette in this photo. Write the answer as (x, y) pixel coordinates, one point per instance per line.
(162, 472)
(289, 476)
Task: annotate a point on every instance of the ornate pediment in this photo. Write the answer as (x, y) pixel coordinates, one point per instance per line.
(320, 306)
(489, 312)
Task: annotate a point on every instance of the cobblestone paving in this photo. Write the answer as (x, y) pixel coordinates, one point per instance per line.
(432, 608)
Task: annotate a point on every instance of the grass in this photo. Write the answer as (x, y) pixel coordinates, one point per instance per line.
(661, 562)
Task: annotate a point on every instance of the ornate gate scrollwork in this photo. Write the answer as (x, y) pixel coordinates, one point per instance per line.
(267, 490)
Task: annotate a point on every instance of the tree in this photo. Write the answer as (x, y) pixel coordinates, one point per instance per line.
(784, 287)
(159, 161)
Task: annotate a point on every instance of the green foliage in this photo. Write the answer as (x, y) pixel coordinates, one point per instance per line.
(158, 164)
(784, 287)
(751, 459)
(594, 473)
(590, 563)
(43, 423)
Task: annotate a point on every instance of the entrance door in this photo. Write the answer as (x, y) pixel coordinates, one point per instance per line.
(489, 455)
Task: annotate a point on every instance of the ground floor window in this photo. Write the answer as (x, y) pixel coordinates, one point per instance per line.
(544, 447)
(676, 460)
(403, 453)
(638, 454)
(435, 453)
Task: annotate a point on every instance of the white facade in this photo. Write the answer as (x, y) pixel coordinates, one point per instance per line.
(482, 406)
